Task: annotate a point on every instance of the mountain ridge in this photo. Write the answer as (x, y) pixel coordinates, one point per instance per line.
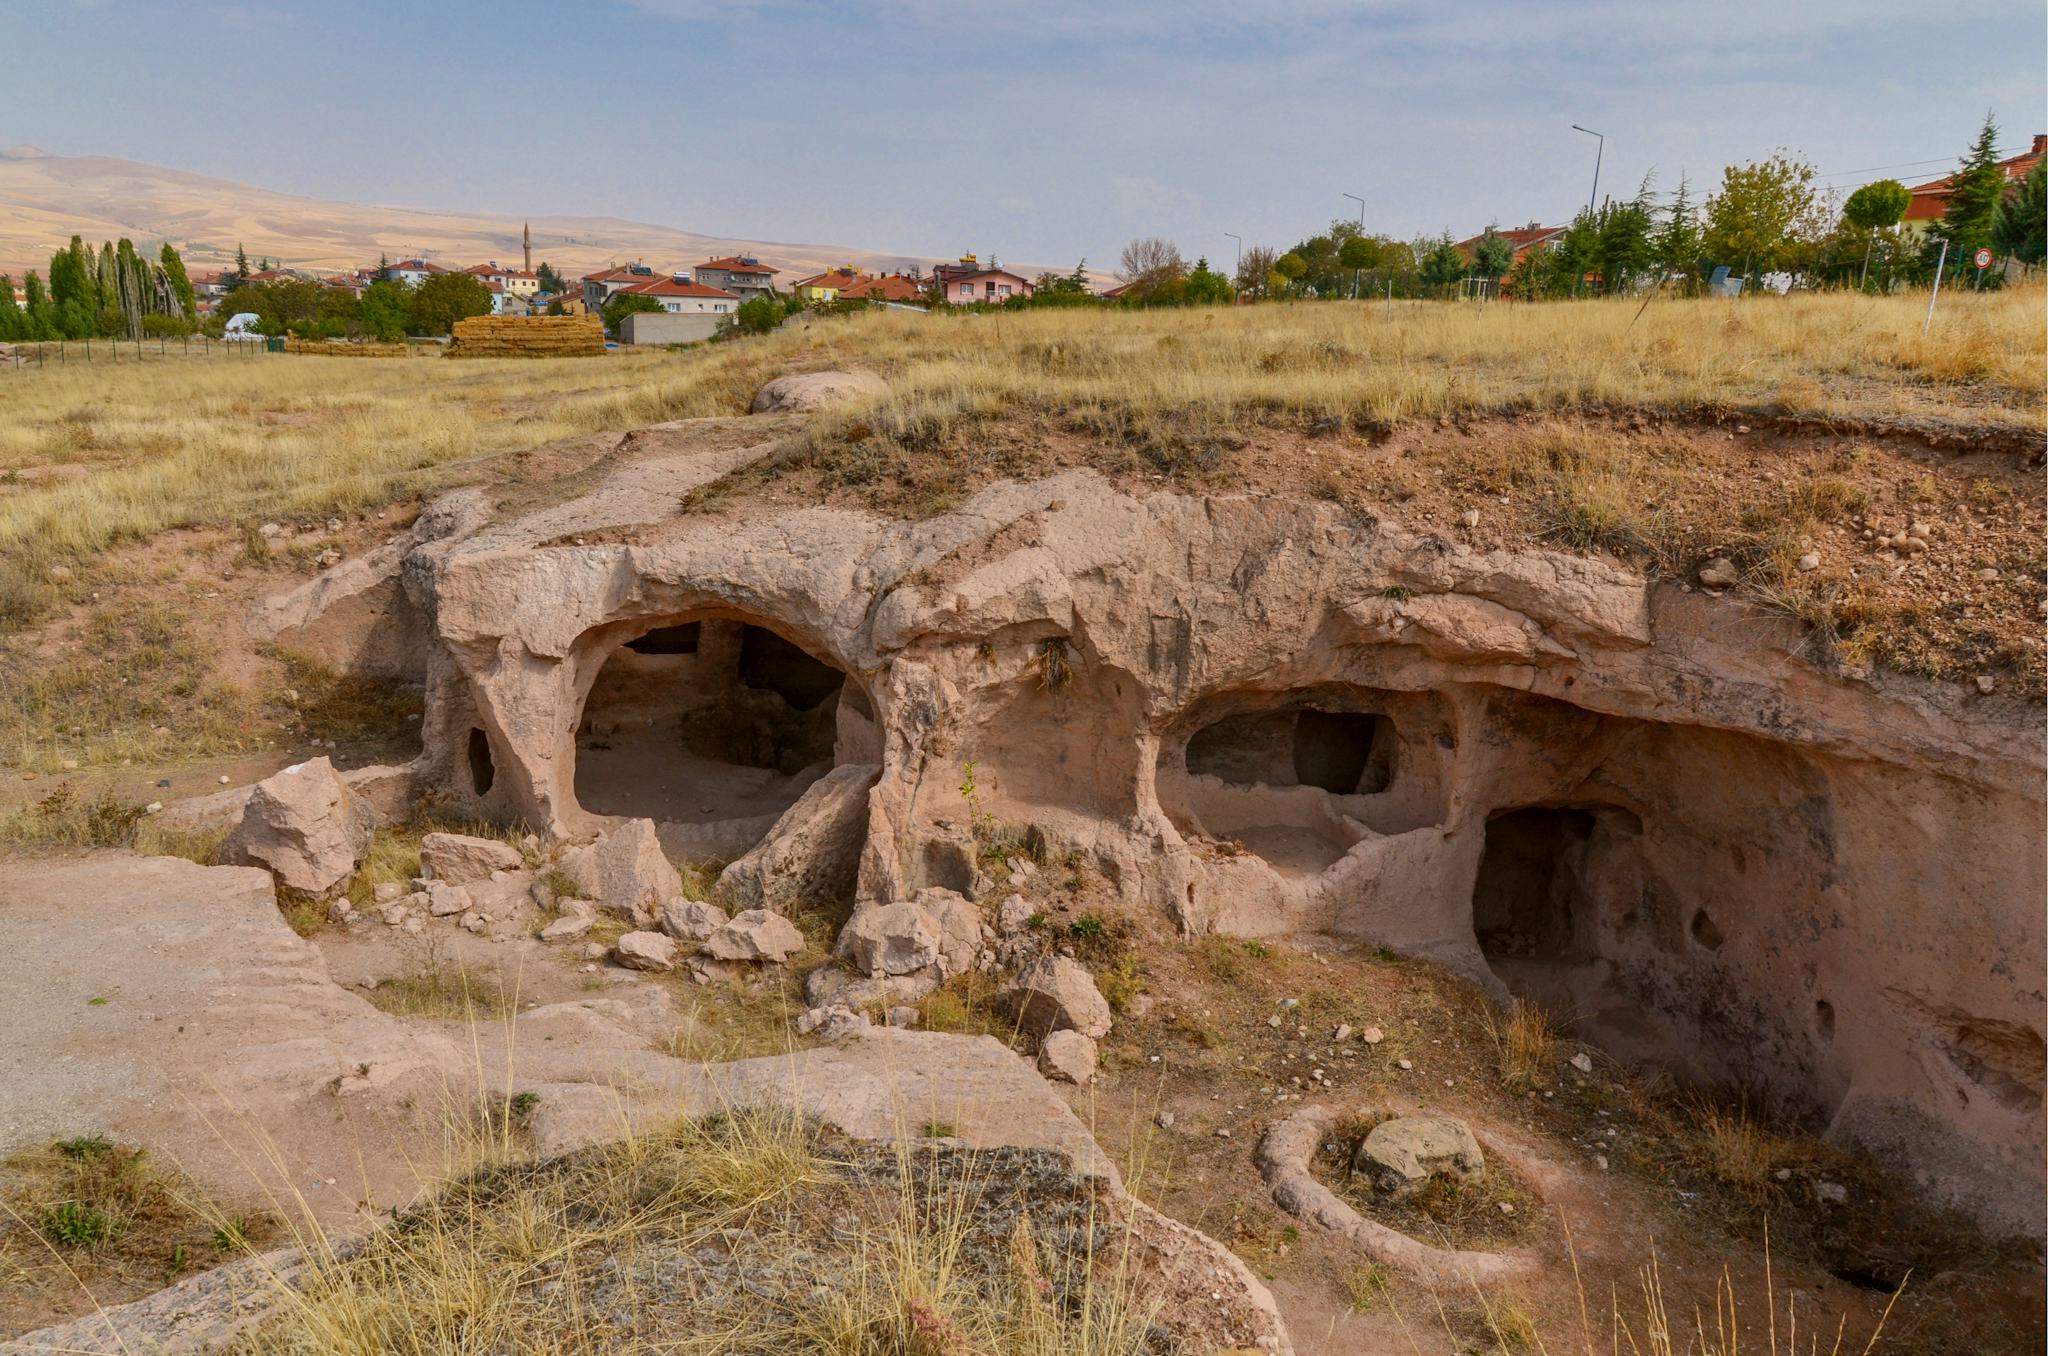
(46, 199)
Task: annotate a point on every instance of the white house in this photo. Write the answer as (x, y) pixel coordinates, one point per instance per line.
(680, 295)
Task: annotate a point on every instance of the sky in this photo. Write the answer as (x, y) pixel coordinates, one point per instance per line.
(1035, 130)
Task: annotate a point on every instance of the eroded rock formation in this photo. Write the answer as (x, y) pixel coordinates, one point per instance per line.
(1282, 718)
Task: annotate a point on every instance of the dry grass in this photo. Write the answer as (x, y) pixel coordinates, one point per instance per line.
(1525, 1042)
(170, 445)
(1170, 383)
(88, 1212)
(750, 1232)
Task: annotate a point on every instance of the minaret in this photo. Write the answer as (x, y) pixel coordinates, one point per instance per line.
(526, 238)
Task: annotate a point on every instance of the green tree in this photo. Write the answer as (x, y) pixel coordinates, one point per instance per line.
(384, 309)
(1492, 255)
(1973, 195)
(1443, 266)
(13, 324)
(37, 308)
(1207, 287)
(1765, 210)
(1874, 208)
(70, 281)
(233, 279)
(2021, 228)
(1676, 246)
(550, 281)
(1290, 268)
(180, 283)
(625, 304)
(758, 316)
(445, 298)
(1625, 248)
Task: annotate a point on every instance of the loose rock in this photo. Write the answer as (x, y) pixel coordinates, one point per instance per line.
(460, 859)
(1067, 1057)
(1401, 1155)
(646, 951)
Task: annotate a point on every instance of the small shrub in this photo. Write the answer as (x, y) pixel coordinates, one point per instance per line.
(1055, 670)
(74, 1224)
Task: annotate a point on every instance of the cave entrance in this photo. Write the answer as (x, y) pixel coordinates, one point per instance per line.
(712, 728)
(1300, 778)
(1560, 909)
(1346, 753)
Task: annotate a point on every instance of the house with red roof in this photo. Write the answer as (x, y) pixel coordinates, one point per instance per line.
(970, 282)
(740, 274)
(679, 294)
(1930, 200)
(894, 287)
(599, 287)
(1521, 239)
(413, 272)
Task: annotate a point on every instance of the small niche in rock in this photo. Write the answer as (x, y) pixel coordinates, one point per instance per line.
(711, 728)
(1705, 932)
(1346, 753)
(483, 772)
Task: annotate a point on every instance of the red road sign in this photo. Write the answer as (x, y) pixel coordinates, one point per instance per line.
(1983, 258)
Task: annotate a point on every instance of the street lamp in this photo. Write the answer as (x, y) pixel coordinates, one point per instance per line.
(1361, 230)
(1598, 152)
(1240, 253)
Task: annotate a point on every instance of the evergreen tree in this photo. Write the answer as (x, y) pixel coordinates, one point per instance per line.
(239, 274)
(1492, 255)
(1973, 195)
(179, 282)
(550, 281)
(70, 282)
(2021, 229)
(1443, 266)
(13, 324)
(1626, 250)
(1676, 247)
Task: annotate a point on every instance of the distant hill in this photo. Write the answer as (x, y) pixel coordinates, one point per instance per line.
(46, 199)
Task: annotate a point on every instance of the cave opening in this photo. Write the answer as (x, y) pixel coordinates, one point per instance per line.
(1346, 753)
(713, 728)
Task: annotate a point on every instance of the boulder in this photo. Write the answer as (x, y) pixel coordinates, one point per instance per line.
(1719, 573)
(566, 928)
(645, 951)
(937, 929)
(691, 920)
(461, 859)
(807, 392)
(1013, 916)
(813, 852)
(755, 935)
(1067, 1057)
(1401, 1155)
(832, 1023)
(888, 939)
(445, 900)
(303, 826)
(1057, 994)
(957, 924)
(625, 872)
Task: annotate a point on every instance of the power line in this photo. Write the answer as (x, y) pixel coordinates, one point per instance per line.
(2004, 153)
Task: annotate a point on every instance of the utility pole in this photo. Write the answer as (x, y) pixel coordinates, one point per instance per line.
(1239, 269)
(1361, 231)
(1599, 152)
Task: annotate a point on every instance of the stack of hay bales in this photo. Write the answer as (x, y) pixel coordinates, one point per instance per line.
(325, 349)
(539, 336)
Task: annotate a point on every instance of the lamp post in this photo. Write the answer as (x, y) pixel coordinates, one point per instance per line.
(1361, 230)
(1598, 152)
(1235, 272)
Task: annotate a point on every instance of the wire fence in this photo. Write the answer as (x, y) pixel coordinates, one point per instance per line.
(65, 352)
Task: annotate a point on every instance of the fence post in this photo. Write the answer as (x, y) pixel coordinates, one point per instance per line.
(1935, 295)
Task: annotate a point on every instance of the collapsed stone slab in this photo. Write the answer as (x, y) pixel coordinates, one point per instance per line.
(626, 872)
(303, 826)
(461, 858)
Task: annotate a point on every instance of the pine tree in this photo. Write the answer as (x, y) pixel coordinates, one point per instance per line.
(240, 274)
(1677, 246)
(1974, 194)
(179, 282)
(2021, 230)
